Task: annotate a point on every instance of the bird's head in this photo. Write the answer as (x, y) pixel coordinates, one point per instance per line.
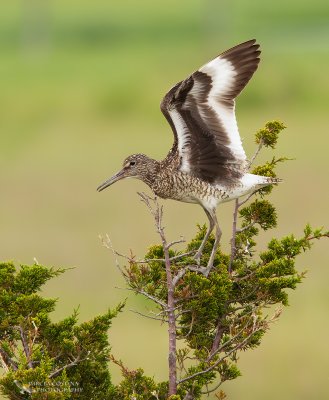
(135, 166)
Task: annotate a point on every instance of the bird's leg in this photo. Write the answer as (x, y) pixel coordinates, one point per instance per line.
(218, 235)
(198, 254)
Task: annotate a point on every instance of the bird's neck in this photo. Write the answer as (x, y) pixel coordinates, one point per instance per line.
(157, 170)
(152, 172)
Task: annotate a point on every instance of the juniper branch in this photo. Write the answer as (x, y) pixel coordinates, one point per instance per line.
(7, 361)
(157, 212)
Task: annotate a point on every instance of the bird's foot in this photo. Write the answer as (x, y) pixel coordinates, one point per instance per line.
(197, 257)
(206, 270)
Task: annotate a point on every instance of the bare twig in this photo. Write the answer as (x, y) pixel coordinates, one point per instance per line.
(178, 256)
(242, 202)
(149, 316)
(260, 145)
(149, 296)
(108, 244)
(148, 260)
(173, 258)
(182, 240)
(73, 363)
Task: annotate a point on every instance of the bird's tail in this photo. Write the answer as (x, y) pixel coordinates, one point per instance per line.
(258, 181)
(272, 181)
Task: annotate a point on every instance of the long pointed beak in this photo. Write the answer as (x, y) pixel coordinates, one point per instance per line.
(119, 175)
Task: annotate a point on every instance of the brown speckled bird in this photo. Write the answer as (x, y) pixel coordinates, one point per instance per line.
(207, 164)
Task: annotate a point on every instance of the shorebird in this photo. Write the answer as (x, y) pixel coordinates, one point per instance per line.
(207, 164)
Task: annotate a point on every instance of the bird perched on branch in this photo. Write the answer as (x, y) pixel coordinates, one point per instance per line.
(207, 164)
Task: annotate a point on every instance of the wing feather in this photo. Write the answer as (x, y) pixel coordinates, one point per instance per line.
(201, 112)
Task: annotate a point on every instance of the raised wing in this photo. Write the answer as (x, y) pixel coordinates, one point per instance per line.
(201, 112)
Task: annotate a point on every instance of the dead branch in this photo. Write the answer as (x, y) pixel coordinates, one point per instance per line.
(73, 363)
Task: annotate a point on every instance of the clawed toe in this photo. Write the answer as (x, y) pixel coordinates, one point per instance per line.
(197, 257)
(203, 270)
(206, 270)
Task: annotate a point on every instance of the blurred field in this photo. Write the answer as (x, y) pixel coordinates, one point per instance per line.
(81, 84)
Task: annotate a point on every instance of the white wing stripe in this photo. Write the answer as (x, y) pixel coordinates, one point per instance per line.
(223, 74)
(228, 120)
(182, 133)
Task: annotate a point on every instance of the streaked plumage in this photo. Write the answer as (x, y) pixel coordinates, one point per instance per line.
(207, 163)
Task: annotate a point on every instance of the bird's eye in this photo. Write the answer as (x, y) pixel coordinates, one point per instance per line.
(132, 163)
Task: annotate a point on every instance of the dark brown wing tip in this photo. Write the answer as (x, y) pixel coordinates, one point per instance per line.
(245, 59)
(249, 50)
(248, 44)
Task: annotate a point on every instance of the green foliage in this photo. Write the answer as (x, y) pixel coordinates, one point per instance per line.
(269, 135)
(260, 212)
(136, 384)
(43, 359)
(231, 306)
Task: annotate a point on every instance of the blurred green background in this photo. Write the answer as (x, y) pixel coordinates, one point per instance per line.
(81, 84)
